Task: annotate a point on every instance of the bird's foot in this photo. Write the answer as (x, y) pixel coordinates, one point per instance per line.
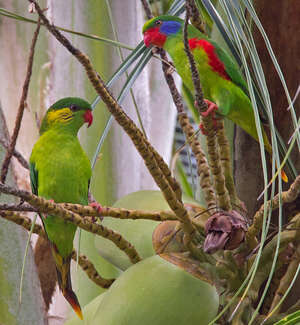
(45, 215)
(98, 207)
(211, 110)
(202, 128)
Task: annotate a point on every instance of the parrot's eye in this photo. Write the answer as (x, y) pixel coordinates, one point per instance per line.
(158, 22)
(74, 108)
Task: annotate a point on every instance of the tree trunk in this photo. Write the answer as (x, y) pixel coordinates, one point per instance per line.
(280, 22)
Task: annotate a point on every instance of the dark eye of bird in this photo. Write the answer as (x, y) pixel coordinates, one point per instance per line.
(74, 108)
(158, 22)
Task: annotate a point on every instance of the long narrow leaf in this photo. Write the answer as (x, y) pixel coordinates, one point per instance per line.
(130, 81)
(122, 60)
(12, 15)
(176, 9)
(251, 10)
(227, 35)
(239, 36)
(296, 316)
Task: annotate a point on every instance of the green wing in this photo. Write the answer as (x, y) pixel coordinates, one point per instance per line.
(231, 67)
(33, 178)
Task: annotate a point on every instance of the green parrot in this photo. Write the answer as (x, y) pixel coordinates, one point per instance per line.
(60, 171)
(222, 82)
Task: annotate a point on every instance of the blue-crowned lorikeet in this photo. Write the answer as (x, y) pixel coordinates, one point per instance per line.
(61, 171)
(221, 79)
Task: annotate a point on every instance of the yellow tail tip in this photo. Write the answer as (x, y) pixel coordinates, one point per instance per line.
(73, 301)
(284, 176)
(78, 311)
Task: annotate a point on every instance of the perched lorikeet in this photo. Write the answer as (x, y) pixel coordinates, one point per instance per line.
(221, 79)
(61, 171)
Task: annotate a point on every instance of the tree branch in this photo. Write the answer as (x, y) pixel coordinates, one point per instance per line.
(214, 158)
(21, 108)
(86, 265)
(16, 153)
(195, 16)
(286, 197)
(49, 207)
(90, 270)
(87, 210)
(147, 9)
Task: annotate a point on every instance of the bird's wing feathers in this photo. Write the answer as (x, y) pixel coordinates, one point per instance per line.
(33, 178)
(231, 67)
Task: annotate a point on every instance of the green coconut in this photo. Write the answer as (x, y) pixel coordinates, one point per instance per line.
(155, 291)
(137, 232)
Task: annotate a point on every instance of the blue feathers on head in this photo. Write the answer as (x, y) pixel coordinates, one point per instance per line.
(170, 27)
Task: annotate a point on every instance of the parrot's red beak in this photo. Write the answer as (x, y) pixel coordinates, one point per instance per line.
(88, 117)
(152, 36)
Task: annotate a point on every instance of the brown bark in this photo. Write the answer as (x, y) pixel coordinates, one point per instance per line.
(281, 22)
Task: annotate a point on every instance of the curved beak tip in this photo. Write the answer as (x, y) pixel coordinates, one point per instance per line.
(88, 118)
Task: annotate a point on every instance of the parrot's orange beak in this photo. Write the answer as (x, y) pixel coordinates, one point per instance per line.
(88, 117)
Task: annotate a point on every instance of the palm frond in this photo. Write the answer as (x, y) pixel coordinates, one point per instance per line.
(15, 16)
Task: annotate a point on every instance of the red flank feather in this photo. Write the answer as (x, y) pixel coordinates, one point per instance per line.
(214, 61)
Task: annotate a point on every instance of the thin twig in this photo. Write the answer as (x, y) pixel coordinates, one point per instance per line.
(285, 281)
(120, 213)
(21, 108)
(16, 154)
(195, 16)
(214, 158)
(23, 221)
(202, 165)
(17, 207)
(147, 9)
(226, 162)
(90, 270)
(5, 140)
(286, 197)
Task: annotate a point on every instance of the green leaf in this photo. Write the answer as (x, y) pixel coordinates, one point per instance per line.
(12, 15)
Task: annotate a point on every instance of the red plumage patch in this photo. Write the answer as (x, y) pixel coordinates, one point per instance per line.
(153, 37)
(213, 60)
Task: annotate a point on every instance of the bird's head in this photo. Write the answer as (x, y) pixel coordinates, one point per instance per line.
(158, 29)
(69, 113)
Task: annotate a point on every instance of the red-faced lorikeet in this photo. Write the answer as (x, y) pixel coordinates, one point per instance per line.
(221, 79)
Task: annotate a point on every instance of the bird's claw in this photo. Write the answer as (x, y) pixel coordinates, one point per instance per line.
(211, 110)
(52, 201)
(201, 127)
(98, 207)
